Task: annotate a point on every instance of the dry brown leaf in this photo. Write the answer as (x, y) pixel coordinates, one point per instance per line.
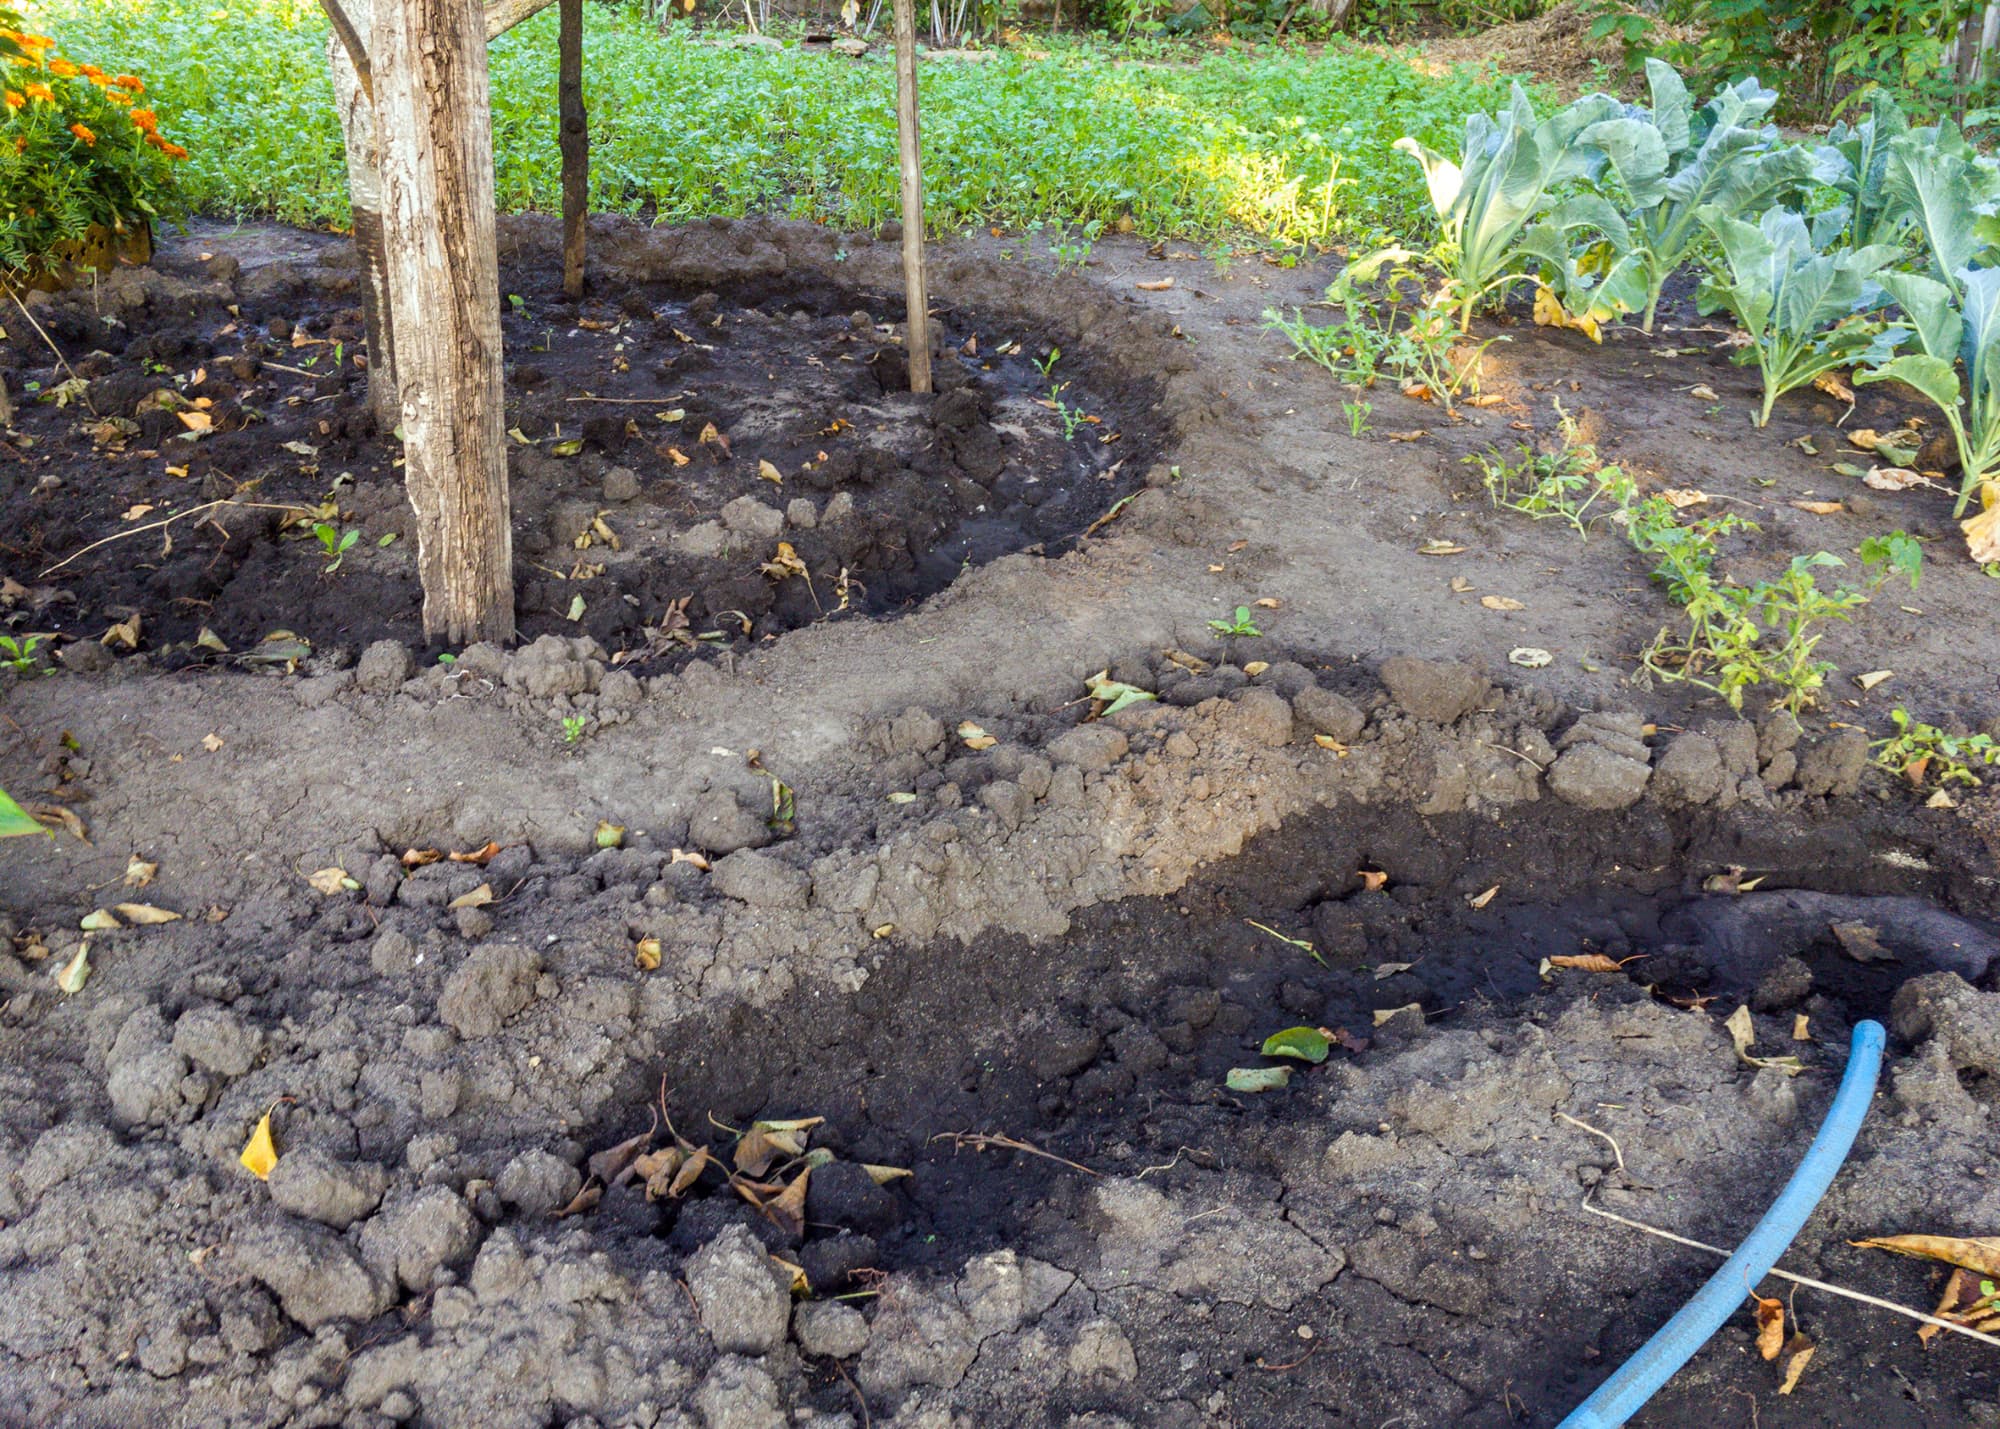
(1441, 548)
(1501, 602)
(211, 742)
(1158, 285)
(1415, 436)
(480, 856)
(1485, 399)
(1253, 669)
(1374, 880)
(1417, 391)
(196, 421)
(788, 1210)
(1592, 962)
(612, 1164)
(582, 1201)
(1832, 384)
(421, 857)
(974, 736)
(1798, 1354)
(690, 1173)
(1862, 943)
(1770, 1325)
(1981, 1254)
(1961, 1293)
(1327, 741)
(1801, 1027)
(328, 880)
(1702, 392)
(770, 472)
(1384, 1014)
(756, 1152)
(1894, 478)
(1819, 508)
(139, 873)
(1679, 497)
(1743, 1034)
(1480, 900)
(646, 955)
(883, 1175)
(1460, 585)
(1873, 678)
(477, 898)
(1267, 602)
(681, 855)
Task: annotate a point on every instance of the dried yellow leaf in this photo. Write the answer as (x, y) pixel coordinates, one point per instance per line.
(1770, 1326)
(647, 955)
(770, 473)
(477, 898)
(139, 873)
(1501, 602)
(72, 975)
(260, 1153)
(330, 881)
(145, 914)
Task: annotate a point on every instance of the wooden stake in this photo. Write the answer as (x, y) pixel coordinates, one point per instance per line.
(574, 140)
(916, 293)
(435, 128)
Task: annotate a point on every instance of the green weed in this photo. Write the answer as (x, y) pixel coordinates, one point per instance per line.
(1242, 624)
(1918, 751)
(22, 654)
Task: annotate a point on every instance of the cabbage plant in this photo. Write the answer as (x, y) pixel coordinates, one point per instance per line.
(1670, 163)
(1802, 302)
(1502, 180)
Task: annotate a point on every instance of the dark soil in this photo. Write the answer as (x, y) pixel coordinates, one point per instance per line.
(639, 416)
(1047, 937)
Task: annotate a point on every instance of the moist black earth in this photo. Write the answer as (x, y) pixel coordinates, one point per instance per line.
(688, 469)
(908, 877)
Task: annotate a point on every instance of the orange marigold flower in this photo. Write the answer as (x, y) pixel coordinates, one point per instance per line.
(82, 133)
(15, 99)
(93, 71)
(34, 42)
(173, 151)
(63, 68)
(117, 96)
(131, 82)
(40, 91)
(146, 119)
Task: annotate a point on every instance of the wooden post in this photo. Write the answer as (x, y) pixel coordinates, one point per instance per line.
(574, 140)
(435, 129)
(916, 293)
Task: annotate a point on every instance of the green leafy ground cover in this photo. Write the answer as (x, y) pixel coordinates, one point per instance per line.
(1287, 145)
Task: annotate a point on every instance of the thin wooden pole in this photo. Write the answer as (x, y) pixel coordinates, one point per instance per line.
(910, 148)
(574, 142)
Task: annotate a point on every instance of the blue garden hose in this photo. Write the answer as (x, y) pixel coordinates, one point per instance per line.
(1674, 1344)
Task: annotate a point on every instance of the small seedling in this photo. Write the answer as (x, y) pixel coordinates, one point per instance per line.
(573, 727)
(1074, 419)
(1897, 553)
(1241, 625)
(335, 542)
(1918, 751)
(21, 655)
(1046, 365)
(1357, 417)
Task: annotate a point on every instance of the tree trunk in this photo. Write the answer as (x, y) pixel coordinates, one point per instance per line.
(436, 128)
(574, 139)
(916, 292)
(364, 189)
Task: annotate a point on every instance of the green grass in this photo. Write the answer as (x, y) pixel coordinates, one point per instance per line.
(681, 128)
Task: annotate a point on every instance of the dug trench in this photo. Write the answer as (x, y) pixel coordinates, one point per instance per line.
(703, 454)
(1026, 983)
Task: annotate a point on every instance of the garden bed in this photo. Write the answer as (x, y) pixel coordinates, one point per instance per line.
(687, 470)
(991, 918)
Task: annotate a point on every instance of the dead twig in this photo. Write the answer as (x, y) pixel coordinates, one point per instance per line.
(1607, 1136)
(1804, 1280)
(42, 332)
(177, 516)
(1280, 1368)
(989, 1141)
(861, 1399)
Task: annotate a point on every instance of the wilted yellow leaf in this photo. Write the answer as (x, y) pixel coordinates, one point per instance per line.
(1873, 678)
(139, 873)
(99, 920)
(1982, 532)
(1158, 285)
(770, 473)
(1702, 392)
(72, 975)
(681, 855)
(260, 1153)
(1831, 384)
(145, 914)
(608, 834)
(1480, 900)
(1679, 497)
(1801, 1025)
(1501, 602)
(1591, 962)
(1256, 668)
(975, 737)
(647, 955)
(477, 898)
(1384, 1014)
(1820, 508)
(1743, 1033)
(1327, 741)
(211, 742)
(883, 1175)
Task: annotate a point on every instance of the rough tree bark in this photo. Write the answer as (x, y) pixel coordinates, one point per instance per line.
(574, 140)
(364, 191)
(916, 292)
(364, 180)
(436, 138)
